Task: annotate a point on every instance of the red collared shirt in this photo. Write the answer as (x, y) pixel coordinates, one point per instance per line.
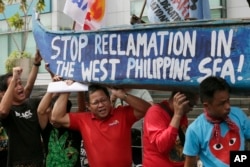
(107, 142)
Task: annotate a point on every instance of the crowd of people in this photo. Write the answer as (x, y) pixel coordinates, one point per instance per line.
(119, 127)
(44, 132)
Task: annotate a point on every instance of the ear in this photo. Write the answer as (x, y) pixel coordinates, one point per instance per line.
(205, 104)
(87, 106)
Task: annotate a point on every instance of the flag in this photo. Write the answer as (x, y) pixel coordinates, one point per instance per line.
(177, 10)
(248, 1)
(77, 10)
(168, 10)
(90, 14)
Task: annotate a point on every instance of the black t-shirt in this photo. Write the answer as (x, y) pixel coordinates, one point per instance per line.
(24, 132)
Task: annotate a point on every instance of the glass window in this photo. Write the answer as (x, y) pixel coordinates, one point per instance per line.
(136, 9)
(214, 3)
(218, 8)
(4, 52)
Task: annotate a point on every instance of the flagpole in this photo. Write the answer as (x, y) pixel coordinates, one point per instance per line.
(74, 25)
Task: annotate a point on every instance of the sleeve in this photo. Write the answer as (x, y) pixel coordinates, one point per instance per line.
(246, 128)
(244, 121)
(76, 121)
(191, 146)
(156, 127)
(128, 112)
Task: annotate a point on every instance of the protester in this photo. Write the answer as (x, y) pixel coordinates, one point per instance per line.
(62, 146)
(19, 118)
(219, 129)
(27, 89)
(106, 131)
(163, 130)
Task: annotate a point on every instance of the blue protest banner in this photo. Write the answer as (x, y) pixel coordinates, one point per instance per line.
(156, 56)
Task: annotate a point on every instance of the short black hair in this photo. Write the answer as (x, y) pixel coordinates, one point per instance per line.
(4, 81)
(95, 87)
(189, 94)
(210, 85)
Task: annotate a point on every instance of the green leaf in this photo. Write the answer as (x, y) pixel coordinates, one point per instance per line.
(40, 5)
(16, 21)
(2, 6)
(11, 61)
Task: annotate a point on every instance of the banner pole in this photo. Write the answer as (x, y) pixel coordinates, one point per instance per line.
(74, 25)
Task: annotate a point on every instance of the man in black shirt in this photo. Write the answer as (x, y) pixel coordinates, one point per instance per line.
(18, 114)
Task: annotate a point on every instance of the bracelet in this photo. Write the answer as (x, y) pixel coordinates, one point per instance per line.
(37, 64)
(125, 96)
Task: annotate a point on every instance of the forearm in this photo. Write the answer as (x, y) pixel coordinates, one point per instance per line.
(44, 111)
(166, 139)
(159, 132)
(175, 121)
(140, 106)
(31, 80)
(45, 103)
(190, 161)
(7, 99)
(59, 113)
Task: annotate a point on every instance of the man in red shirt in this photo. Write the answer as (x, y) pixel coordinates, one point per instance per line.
(163, 130)
(106, 131)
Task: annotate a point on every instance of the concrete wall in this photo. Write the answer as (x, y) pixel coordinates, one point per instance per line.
(238, 9)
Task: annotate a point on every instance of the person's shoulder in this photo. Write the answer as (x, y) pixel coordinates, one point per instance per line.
(159, 104)
(87, 113)
(235, 108)
(158, 107)
(121, 108)
(80, 116)
(34, 99)
(198, 121)
(122, 111)
(236, 111)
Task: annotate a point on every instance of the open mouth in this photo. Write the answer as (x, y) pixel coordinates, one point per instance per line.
(20, 92)
(101, 111)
